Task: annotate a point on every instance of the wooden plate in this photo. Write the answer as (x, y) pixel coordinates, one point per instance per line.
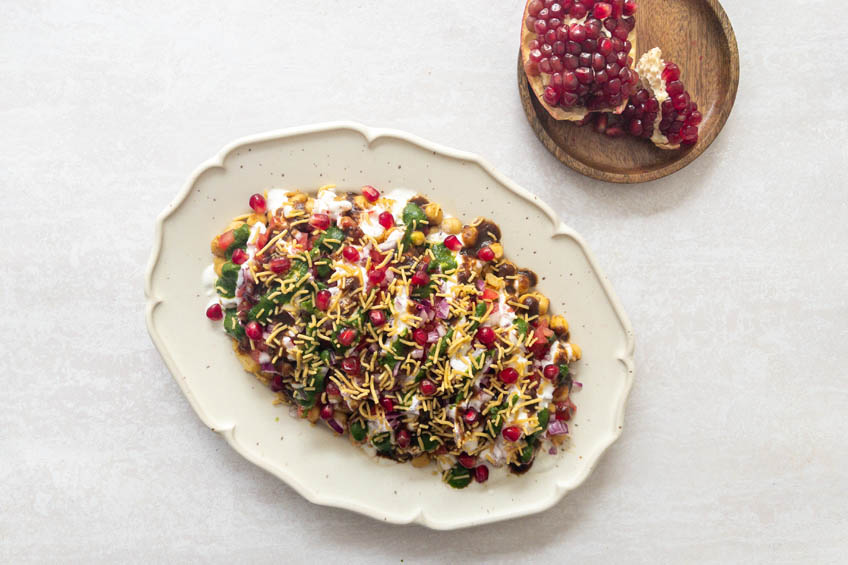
(695, 34)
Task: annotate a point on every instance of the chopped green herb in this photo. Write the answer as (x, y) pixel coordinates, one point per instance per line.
(458, 477)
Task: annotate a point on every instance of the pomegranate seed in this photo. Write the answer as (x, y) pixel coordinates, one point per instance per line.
(346, 336)
(617, 8)
(370, 193)
(350, 253)
(215, 312)
(550, 95)
(470, 416)
(481, 474)
(579, 11)
(689, 134)
(322, 300)
(403, 438)
(681, 101)
(562, 412)
(602, 10)
(694, 118)
(486, 254)
(486, 335)
(584, 75)
(427, 387)
(636, 128)
(671, 73)
(540, 26)
(387, 404)
(350, 365)
(467, 461)
(508, 376)
(257, 202)
(531, 68)
(279, 266)
(512, 433)
(320, 221)
(376, 276)
(333, 389)
(675, 88)
(535, 7)
(557, 10)
(420, 278)
(326, 411)
(377, 317)
(550, 372)
(629, 7)
(386, 219)
(420, 336)
(239, 256)
(253, 330)
(452, 242)
(277, 383)
(577, 33)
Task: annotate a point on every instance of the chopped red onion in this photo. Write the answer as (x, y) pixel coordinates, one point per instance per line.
(396, 369)
(442, 331)
(269, 368)
(335, 425)
(577, 384)
(557, 428)
(480, 284)
(442, 309)
(433, 336)
(553, 450)
(417, 353)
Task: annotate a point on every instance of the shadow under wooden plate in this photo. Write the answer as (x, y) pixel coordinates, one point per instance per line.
(695, 34)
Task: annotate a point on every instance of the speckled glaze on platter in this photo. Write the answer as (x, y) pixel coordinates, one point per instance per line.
(322, 468)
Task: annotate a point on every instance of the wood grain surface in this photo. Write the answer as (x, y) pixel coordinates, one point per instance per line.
(695, 34)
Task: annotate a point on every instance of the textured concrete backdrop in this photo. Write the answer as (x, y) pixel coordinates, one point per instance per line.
(733, 273)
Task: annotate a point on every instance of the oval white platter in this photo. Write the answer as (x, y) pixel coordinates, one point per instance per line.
(321, 467)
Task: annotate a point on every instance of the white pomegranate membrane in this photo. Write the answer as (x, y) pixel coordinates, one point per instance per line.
(582, 51)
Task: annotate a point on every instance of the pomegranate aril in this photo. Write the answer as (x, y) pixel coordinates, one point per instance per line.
(351, 365)
(420, 278)
(253, 330)
(350, 253)
(332, 389)
(481, 474)
(470, 415)
(550, 36)
(486, 335)
(512, 433)
(486, 254)
(387, 404)
(420, 336)
(508, 376)
(578, 11)
(674, 88)
(386, 219)
(681, 101)
(551, 96)
(569, 99)
(535, 55)
(280, 266)
(535, 7)
(320, 221)
(215, 312)
(545, 66)
(403, 438)
(346, 336)
(635, 128)
(630, 7)
(370, 193)
(322, 300)
(570, 82)
(540, 26)
(584, 59)
(556, 64)
(598, 62)
(550, 372)
(257, 203)
(559, 48)
(584, 75)
(427, 387)
(689, 134)
(602, 10)
(377, 317)
(576, 33)
(531, 68)
(694, 118)
(614, 131)
(573, 48)
(467, 461)
(593, 29)
(557, 10)
(376, 276)
(452, 242)
(326, 411)
(569, 61)
(239, 256)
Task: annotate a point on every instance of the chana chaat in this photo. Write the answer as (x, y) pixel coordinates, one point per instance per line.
(397, 326)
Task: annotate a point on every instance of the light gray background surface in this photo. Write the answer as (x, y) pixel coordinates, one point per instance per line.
(732, 271)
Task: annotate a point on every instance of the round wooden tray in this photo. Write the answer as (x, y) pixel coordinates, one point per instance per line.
(695, 34)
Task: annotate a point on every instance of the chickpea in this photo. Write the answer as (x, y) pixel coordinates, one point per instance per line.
(577, 353)
(417, 238)
(559, 325)
(532, 304)
(494, 281)
(219, 264)
(346, 222)
(469, 235)
(544, 303)
(434, 213)
(522, 283)
(498, 249)
(421, 461)
(451, 225)
(506, 269)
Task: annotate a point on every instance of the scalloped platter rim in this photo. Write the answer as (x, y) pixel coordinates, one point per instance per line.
(322, 468)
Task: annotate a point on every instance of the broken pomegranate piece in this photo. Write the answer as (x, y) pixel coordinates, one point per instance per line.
(677, 121)
(660, 110)
(578, 56)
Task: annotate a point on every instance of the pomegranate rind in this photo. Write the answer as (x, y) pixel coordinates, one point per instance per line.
(537, 84)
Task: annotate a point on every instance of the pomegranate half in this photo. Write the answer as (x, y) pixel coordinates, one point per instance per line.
(578, 56)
